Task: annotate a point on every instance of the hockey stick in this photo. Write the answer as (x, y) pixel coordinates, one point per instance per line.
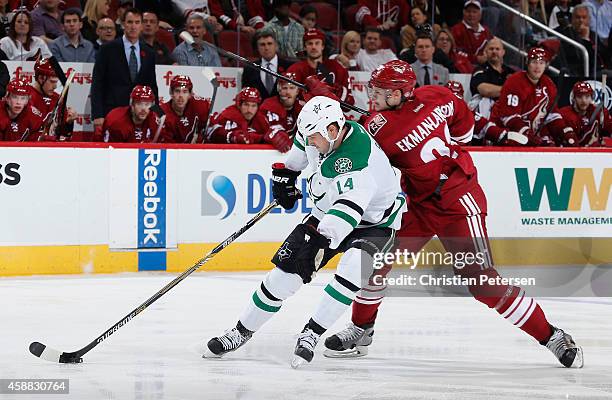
(75, 357)
(189, 40)
(162, 120)
(210, 76)
(604, 82)
(51, 116)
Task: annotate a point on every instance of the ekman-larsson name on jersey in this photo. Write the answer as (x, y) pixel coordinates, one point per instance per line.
(426, 127)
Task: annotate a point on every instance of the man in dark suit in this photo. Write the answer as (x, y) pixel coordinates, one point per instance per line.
(267, 47)
(120, 65)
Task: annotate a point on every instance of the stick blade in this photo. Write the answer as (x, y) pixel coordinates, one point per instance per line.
(46, 353)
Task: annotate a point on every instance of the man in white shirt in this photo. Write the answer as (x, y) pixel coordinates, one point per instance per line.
(369, 58)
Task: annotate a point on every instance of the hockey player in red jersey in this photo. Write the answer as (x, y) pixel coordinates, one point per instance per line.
(281, 112)
(421, 131)
(45, 98)
(186, 113)
(241, 123)
(135, 123)
(526, 103)
(19, 121)
(485, 131)
(328, 71)
(579, 113)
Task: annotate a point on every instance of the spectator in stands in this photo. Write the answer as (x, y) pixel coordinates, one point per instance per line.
(534, 9)
(93, 12)
(600, 13)
(106, 31)
(198, 53)
(418, 19)
(560, 14)
(288, 32)
(460, 62)
(20, 45)
(120, 66)
(150, 27)
(308, 17)
(470, 36)
(428, 72)
(208, 9)
(386, 15)
(267, 48)
(4, 18)
(46, 20)
(240, 123)
(488, 79)
(70, 46)
(439, 57)
(579, 30)
(371, 56)
(329, 71)
(243, 16)
(351, 44)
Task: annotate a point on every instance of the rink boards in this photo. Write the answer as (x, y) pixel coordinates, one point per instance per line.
(121, 209)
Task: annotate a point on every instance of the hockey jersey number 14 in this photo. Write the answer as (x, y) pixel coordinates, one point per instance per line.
(353, 187)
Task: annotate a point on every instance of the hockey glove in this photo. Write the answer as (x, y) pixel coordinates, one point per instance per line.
(569, 137)
(279, 139)
(283, 186)
(318, 88)
(310, 256)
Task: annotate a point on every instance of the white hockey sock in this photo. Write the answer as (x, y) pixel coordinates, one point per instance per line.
(341, 291)
(277, 286)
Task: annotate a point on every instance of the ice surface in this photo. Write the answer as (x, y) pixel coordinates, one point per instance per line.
(424, 348)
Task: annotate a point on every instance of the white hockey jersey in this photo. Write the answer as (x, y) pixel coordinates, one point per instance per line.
(353, 187)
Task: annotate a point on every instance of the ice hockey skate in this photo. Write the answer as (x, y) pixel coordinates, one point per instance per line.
(565, 349)
(352, 341)
(304, 349)
(231, 340)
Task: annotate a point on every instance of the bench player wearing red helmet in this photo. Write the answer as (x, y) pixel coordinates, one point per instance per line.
(186, 113)
(421, 131)
(45, 98)
(486, 131)
(281, 112)
(240, 123)
(135, 123)
(328, 71)
(525, 101)
(579, 113)
(19, 120)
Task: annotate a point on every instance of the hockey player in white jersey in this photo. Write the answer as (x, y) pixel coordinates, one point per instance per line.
(358, 206)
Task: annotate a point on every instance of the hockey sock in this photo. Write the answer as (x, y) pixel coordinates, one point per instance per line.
(277, 286)
(339, 295)
(341, 291)
(525, 313)
(364, 315)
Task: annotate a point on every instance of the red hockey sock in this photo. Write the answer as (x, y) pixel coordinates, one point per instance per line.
(364, 315)
(525, 313)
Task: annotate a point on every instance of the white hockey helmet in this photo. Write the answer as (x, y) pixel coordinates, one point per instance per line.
(319, 113)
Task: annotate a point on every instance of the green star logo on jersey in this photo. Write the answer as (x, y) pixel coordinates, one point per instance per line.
(343, 165)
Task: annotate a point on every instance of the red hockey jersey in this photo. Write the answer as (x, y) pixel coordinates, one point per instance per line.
(588, 134)
(119, 128)
(26, 125)
(470, 41)
(280, 119)
(331, 72)
(376, 12)
(423, 140)
(181, 129)
(231, 127)
(43, 103)
(524, 104)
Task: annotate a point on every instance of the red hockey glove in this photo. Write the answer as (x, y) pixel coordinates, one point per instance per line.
(317, 88)
(569, 138)
(279, 139)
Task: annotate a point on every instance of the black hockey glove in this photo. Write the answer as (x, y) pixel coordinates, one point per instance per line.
(283, 186)
(311, 254)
